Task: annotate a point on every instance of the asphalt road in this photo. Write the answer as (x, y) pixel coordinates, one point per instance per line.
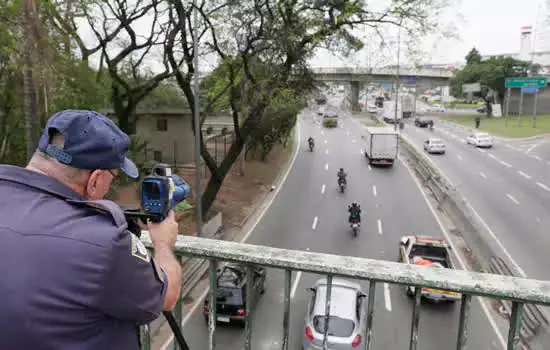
(508, 187)
(309, 213)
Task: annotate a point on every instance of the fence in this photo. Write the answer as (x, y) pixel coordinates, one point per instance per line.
(515, 290)
(474, 233)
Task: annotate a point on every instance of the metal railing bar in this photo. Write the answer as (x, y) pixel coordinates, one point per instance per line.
(145, 337)
(178, 317)
(212, 304)
(370, 313)
(327, 311)
(515, 324)
(249, 296)
(415, 318)
(463, 322)
(481, 284)
(286, 317)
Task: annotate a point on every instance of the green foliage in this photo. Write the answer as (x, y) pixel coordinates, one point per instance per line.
(473, 57)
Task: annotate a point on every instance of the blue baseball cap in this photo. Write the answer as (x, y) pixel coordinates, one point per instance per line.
(92, 141)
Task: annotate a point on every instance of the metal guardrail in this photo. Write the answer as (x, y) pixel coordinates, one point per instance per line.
(517, 291)
(474, 235)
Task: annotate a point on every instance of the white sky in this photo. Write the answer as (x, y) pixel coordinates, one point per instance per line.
(492, 26)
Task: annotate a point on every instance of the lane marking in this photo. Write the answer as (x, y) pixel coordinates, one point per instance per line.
(322, 131)
(326, 166)
(459, 158)
(482, 302)
(379, 226)
(374, 190)
(370, 168)
(543, 186)
(536, 157)
(524, 174)
(492, 156)
(255, 223)
(482, 175)
(512, 198)
(325, 142)
(314, 226)
(387, 300)
(323, 189)
(361, 151)
(295, 284)
(531, 148)
(481, 150)
(353, 141)
(505, 164)
(326, 151)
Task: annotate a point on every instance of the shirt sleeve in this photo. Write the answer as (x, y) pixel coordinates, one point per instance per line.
(135, 286)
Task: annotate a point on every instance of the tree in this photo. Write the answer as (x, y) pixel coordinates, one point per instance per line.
(473, 57)
(263, 47)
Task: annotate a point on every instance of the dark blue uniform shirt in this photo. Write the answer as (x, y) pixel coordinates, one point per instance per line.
(71, 277)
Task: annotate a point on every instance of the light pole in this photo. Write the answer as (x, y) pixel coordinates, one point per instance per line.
(398, 79)
(196, 111)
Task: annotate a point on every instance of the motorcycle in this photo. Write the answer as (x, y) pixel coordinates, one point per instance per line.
(342, 185)
(431, 126)
(311, 145)
(355, 226)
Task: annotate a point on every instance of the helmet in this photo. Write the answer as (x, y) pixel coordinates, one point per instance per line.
(354, 203)
(341, 169)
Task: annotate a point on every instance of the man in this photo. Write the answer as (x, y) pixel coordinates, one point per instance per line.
(341, 176)
(73, 276)
(354, 212)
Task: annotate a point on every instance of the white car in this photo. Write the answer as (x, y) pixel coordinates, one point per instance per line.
(372, 108)
(480, 139)
(433, 145)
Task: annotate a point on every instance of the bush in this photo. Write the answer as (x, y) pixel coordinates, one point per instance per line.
(330, 123)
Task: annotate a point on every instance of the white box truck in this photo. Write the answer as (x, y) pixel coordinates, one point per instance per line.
(381, 145)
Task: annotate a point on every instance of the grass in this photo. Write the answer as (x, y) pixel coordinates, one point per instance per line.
(497, 126)
(462, 105)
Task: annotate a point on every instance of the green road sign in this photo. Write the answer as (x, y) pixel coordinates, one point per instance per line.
(528, 82)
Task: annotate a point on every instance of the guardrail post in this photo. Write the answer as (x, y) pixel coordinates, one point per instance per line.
(370, 313)
(463, 322)
(416, 318)
(286, 317)
(212, 313)
(178, 317)
(515, 324)
(327, 311)
(249, 296)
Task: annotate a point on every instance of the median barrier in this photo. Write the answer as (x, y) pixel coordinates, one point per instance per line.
(476, 236)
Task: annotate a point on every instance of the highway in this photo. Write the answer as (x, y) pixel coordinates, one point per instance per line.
(310, 214)
(507, 187)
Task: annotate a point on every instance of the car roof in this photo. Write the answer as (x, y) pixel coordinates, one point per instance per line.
(342, 301)
(481, 134)
(435, 139)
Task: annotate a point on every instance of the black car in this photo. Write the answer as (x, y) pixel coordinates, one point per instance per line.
(423, 122)
(231, 293)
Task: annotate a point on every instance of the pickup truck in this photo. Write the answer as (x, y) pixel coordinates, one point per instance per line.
(427, 251)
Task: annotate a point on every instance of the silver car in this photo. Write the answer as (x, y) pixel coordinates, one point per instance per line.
(346, 326)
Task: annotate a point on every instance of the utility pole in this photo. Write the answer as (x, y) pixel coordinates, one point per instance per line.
(397, 82)
(196, 112)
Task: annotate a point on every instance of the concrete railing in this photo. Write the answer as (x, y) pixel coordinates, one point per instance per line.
(403, 71)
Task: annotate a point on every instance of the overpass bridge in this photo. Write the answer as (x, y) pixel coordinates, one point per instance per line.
(358, 78)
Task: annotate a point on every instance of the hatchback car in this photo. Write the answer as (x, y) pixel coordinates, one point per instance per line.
(346, 323)
(231, 293)
(480, 139)
(433, 145)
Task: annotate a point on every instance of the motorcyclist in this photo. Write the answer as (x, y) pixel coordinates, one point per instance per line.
(342, 176)
(354, 212)
(310, 140)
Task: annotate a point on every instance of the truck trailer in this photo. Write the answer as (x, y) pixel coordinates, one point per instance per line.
(381, 145)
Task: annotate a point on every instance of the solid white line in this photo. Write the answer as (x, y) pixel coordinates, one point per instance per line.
(374, 190)
(314, 226)
(323, 189)
(326, 151)
(482, 175)
(543, 186)
(505, 164)
(255, 223)
(459, 158)
(460, 261)
(295, 284)
(379, 226)
(524, 174)
(387, 299)
(326, 166)
(512, 198)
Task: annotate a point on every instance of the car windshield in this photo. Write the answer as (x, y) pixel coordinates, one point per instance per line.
(437, 142)
(337, 327)
(229, 296)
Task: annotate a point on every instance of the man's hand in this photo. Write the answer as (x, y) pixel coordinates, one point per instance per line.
(164, 235)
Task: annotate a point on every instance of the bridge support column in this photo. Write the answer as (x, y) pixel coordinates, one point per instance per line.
(355, 87)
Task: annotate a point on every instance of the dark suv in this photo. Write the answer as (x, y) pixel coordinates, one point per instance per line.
(231, 293)
(423, 122)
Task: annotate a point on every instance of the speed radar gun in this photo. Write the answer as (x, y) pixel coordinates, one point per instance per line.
(161, 191)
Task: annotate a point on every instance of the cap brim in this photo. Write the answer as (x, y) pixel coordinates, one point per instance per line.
(130, 169)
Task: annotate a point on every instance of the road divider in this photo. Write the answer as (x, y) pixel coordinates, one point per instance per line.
(481, 241)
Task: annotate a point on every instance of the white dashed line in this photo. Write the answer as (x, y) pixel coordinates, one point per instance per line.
(353, 141)
(481, 150)
(323, 189)
(459, 158)
(493, 156)
(295, 284)
(541, 185)
(325, 142)
(512, 198)
(326, 151)
(374, 190)
(322, 132)
(505, 164)
(482, 175)
(326, 166)
(524, 174)
(314, 226)
(536, 157)
(387, 300)
(379, 226)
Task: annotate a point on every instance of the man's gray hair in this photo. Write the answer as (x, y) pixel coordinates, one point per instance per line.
(51, 166)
